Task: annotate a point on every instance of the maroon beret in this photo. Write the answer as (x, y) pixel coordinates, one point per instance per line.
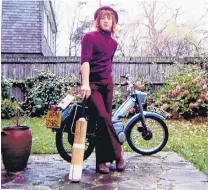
(108, 9)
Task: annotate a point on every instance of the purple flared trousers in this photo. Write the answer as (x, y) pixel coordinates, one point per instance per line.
(107, 146)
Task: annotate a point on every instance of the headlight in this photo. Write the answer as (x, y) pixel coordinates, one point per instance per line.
(142, 96)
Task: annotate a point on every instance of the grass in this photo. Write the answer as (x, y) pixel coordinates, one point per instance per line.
(188, 139)
(43, 139)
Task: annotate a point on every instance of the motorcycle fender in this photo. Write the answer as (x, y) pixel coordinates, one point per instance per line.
(138, 116)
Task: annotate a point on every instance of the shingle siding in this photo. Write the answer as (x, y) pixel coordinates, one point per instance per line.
(21, 26)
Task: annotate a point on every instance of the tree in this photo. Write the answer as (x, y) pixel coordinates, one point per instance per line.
(58, 15)
(158, 30)
(128, 35)
(171, 37)
(76, 27)
(78, 34)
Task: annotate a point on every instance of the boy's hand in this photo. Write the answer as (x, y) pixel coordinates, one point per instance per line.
(85, 91)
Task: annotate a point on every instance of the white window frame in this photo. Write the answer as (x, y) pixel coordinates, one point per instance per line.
(48, 32)
(45, 24)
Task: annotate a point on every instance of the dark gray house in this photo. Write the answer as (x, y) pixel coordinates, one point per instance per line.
(28, 28)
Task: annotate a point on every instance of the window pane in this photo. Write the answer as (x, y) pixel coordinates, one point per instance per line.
(45, 24)
(49, 33)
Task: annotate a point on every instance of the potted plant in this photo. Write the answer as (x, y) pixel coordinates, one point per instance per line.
(16, 142)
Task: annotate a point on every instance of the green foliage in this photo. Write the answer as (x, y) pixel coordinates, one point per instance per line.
(12, 110)
(5, 89)
(119, 95)
(39, 92)
(7, 109)
(185, 92)
(143, 85)
(44, 90)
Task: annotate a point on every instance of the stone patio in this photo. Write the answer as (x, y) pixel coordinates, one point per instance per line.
(162, 171)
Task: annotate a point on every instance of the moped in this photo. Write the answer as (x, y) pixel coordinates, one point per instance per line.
(146, 132)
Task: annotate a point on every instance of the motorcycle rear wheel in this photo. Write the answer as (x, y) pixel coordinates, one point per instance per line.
(64, 144)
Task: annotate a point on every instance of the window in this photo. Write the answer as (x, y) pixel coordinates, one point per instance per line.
(54, 43)
(45, 23)
(51, 44)
(48, 32)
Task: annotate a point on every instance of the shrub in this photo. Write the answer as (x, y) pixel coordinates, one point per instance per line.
(185, 92)
(143, 85)
(44, 90)
(5, 88)
(121, 94)
(7, 104)
(7, 109)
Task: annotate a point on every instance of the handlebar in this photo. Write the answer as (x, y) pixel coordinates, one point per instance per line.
(121, 84)
(125, 76)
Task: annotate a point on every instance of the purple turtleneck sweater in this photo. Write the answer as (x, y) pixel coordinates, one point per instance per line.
(98, 49)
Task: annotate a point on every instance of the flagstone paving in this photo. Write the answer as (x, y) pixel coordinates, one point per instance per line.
(162, 171)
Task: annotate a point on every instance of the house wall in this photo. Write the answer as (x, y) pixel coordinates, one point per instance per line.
(21, 27)
(22, 31)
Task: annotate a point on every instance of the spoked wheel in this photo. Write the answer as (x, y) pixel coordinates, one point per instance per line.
(64, 144)
(147, 142)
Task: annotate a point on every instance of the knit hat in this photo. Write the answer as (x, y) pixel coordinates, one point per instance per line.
(106, 8)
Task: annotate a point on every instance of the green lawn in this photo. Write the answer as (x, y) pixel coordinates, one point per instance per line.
(189, 139)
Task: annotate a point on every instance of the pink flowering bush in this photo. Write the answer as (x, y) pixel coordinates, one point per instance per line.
(186, 92)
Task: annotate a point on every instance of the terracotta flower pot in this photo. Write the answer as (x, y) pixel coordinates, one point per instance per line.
(16, 143)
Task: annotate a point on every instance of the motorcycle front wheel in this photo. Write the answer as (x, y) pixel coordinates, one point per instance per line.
(64, 143)
(150, 142)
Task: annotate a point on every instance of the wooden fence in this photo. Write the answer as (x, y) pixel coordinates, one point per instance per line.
(153, 69)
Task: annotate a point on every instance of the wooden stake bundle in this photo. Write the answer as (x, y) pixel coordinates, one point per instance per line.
(78, 150)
